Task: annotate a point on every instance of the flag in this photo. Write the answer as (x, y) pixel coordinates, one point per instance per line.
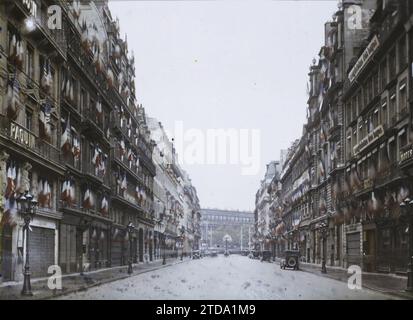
(65, 140)
(44, 117)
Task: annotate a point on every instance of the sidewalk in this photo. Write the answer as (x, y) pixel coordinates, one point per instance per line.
(75, 282)
(385, 283)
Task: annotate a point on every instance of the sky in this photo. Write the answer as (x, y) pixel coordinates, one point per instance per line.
(230, 65)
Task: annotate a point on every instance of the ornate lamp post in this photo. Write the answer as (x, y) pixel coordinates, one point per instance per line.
(227, 238)
(28, 208)
(324, 231)
(407, 211)
(182, 230)
(130, 228)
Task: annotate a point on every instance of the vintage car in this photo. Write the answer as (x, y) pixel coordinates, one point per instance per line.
(291, 260)
(196, 254)
(266, 256)
(254, 254)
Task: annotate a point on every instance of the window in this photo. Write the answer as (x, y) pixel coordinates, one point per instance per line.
(383, 74)
(384, 110)
(402, 138)
(29, 120)
(403, 96)
(83, 99)
(392, 106)
(402, 52)
(392, 150)
(375, 80)
(392, 63)
(375, 117)
(29, 66)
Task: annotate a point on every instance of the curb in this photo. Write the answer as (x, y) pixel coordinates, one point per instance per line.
(60, 293)
(87, 287)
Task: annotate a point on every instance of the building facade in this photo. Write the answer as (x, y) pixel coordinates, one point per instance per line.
(339, 193)
(216, 223)
(73, 134)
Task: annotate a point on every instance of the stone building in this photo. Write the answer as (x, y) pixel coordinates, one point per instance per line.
(73, 135)
(262, 234)
(216, 223)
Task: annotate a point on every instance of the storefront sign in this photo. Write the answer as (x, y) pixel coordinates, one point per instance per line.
(371, 137)
(364, 58)
(22, 135)
(406, 155)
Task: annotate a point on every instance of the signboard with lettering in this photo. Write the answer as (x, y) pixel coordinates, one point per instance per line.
(371, 137)
(22, 135)
(406, 155)
(364, 58)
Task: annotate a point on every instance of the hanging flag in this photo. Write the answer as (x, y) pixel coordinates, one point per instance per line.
(65, 144)
(76, 147)
(104, 207)
(44, 117)
(13, 101)
(46, 81)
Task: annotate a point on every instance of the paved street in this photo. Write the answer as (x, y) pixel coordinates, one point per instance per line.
(235, 277)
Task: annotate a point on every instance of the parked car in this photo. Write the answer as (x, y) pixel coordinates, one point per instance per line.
(254, 254)
(291, 260)
(213, 253)
(266, 256)
(244, 252)
(196, 254)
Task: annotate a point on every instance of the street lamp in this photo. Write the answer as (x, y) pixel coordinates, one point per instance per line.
(407, 206)
(323, 230)
(227, 238)
(182, 230)
(28, 208)
(130, 228)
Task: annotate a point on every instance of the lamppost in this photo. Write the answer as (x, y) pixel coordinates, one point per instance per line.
(28, 208)
(130, 228)
(227, 238)
(323, 230)
(407, 206)
(164, 249)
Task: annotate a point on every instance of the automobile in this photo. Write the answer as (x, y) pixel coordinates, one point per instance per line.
(213, 253)
(244, 252)
(291, 260)
(254, 254)
(196, 254)
(265, 256)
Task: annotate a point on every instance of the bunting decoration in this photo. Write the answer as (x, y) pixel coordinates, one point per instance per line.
(11, 194)
(88, 200)
(13, 101)
(76, 147)
(68, 192)
(45, 129)
(76, 9)
(44, 194)
(46, 81)
(65, 143)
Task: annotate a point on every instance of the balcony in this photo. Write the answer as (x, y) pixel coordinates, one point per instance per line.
(130, 166)
(51, 40)
(94, 173)
(92, 123)
(26, 139)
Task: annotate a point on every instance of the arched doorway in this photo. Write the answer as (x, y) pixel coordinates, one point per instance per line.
(140, 245)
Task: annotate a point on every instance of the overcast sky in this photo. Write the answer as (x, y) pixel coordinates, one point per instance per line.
(221, 65)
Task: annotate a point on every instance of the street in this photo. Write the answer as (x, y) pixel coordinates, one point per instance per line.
(234, 277)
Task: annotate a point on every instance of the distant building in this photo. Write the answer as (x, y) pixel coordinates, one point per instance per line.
(216, 223)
